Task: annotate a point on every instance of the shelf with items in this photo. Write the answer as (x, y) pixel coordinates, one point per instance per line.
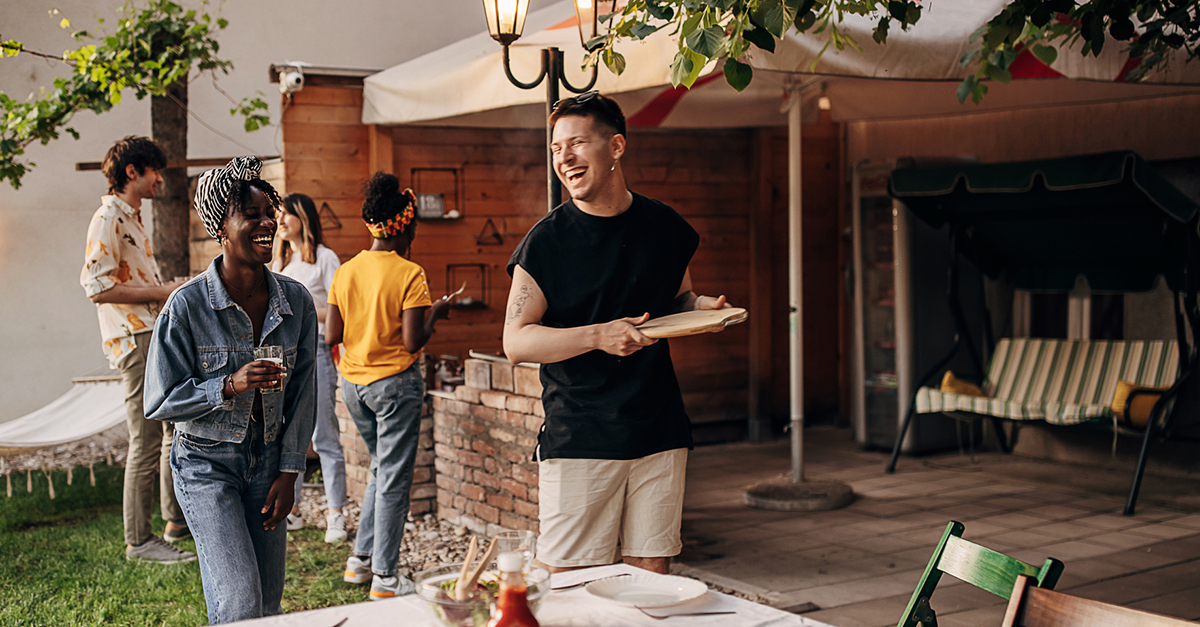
(474, 276)
(887, 380)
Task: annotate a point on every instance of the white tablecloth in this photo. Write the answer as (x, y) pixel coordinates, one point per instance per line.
(568, 608)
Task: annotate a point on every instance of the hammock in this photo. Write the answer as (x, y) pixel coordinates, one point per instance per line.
(92, 405)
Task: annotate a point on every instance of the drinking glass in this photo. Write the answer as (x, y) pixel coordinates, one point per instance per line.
(522, 542)
(273, 354)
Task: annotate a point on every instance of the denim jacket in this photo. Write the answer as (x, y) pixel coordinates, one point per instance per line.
(202, 335)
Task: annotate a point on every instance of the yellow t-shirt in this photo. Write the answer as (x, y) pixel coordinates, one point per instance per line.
(371, 291)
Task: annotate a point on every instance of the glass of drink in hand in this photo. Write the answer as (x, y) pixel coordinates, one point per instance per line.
(273, 354)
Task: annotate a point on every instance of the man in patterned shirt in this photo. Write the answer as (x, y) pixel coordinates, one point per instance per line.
(121, 277)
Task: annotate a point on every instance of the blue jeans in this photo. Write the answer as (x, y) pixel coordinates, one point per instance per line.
(388, 415)
(222, 487)
(327, 436)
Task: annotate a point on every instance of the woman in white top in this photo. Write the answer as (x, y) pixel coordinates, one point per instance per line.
(301, 255)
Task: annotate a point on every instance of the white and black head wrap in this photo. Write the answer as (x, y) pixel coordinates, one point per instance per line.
(216, 187)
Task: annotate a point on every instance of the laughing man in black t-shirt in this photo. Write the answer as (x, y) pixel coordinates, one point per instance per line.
(613, 450)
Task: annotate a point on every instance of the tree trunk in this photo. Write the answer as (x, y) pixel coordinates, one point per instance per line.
(168, 127)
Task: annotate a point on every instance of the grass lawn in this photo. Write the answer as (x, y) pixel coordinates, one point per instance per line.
(64, 562)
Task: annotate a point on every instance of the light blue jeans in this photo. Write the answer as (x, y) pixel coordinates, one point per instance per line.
(327, 436)
(388, 415)
(222, 487)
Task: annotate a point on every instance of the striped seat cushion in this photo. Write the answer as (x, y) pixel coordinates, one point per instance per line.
(1063, 382)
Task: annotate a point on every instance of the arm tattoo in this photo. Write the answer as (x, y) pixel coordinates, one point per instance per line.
(518, 305)
(684, 302)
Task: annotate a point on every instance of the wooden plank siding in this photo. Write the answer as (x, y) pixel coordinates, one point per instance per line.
(705, 175)
(712, 177)
(823, 292)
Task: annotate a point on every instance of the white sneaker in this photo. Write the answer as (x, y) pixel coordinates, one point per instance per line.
(294, 522)
(335, 527)
(358, 570)
(388, 587)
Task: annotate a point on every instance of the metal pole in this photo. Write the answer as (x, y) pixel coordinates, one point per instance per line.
(554, 65)
(795, 288)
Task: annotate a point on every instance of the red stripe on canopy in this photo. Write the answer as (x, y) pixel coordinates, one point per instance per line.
(1028, 66)
(661, 106)
(570, 22)
(1131, 64)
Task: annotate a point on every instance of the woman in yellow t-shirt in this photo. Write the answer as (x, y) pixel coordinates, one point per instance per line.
(380, 310)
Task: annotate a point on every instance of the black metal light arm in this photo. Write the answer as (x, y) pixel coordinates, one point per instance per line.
(562, 70)
(535, 83)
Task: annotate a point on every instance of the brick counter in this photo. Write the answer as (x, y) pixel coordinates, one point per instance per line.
(358, 460)
(484, 434)
(474, 458)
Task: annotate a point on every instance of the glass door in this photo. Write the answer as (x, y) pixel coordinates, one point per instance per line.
(876, 402)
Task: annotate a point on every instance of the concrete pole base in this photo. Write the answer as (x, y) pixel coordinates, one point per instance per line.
(781, 494)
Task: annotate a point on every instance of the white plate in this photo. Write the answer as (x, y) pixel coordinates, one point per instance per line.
(647, 590)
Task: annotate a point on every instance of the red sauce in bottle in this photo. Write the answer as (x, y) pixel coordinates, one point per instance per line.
(512, 606)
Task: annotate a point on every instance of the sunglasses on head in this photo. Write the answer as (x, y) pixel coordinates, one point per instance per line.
(581, 98)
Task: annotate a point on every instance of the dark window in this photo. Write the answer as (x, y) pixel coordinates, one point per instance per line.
(1108, 317)
(1048, 316)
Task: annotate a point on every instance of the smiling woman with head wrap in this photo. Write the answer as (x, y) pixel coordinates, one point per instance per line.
(242, 425)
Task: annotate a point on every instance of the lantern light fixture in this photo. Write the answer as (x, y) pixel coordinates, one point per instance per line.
(505, 19)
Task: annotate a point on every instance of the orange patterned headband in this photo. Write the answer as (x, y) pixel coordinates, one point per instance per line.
(395, 224)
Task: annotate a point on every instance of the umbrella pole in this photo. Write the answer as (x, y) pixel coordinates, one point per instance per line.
(795, 287)
(794, 493)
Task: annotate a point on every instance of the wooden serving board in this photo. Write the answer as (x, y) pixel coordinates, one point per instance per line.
(692, 322)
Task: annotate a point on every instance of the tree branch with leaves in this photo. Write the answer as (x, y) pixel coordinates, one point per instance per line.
(725, 30)
(150, 49)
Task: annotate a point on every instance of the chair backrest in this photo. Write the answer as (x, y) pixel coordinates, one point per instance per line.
(1071, 380)
(976, 565)
(1031, 606)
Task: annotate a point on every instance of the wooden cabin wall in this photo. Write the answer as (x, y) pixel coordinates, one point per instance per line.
(731, 185)
(824, 262)
(325, 155)
(705, 175)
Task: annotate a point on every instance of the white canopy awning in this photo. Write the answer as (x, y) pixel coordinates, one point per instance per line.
(915, 74)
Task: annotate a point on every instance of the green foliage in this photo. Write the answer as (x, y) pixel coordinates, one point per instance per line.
(253, 109)
(150, 49)
(738, 74)
(1163, 27)
(711, 30)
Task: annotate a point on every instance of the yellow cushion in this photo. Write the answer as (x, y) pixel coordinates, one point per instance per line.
(1139, 413)
(951, 385)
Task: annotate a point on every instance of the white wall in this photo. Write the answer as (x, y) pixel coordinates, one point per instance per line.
(48, 328)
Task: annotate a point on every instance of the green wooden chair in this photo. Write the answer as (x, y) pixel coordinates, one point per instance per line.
(976, 565)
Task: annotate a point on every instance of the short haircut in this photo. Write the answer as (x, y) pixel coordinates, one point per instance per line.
(600, 108)
(140, 152)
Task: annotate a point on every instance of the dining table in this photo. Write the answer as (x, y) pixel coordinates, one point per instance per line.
(570, 605)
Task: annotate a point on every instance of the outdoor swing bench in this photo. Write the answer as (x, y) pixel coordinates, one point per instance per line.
(1062, 382)
(1040, 225)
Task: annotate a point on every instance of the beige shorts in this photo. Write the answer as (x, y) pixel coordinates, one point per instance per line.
(589, 507)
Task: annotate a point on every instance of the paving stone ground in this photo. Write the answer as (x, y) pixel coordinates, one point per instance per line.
(858, 566)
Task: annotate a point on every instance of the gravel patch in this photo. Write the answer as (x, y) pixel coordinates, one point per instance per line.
(427, 541)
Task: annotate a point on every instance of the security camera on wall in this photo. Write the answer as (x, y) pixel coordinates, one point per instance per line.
(291, 81)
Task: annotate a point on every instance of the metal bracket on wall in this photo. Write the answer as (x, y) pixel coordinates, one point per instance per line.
(490, 235)
(329, 219)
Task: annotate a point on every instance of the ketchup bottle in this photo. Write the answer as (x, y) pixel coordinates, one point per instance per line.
(512, 606)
